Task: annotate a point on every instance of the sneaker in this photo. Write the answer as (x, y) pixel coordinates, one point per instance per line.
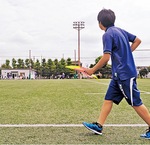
(146, 135)
(95, 127)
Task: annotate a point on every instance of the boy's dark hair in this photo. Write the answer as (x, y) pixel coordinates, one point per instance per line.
(106, 17)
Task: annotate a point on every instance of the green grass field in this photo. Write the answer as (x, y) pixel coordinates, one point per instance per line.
(65, 102)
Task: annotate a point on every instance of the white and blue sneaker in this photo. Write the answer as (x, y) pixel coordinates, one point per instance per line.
(146, 135)
(94, 127)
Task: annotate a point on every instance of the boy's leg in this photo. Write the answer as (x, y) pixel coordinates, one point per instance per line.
(97, 127)
(143, 112)
(113, 95)
(105, 110)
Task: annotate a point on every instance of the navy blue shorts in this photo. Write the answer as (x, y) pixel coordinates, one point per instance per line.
(127, 89)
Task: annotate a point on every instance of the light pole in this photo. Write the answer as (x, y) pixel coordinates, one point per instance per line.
(29, 64)
(78, 25)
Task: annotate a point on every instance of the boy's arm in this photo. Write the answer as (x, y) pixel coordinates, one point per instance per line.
(135, 44)
(103, 61)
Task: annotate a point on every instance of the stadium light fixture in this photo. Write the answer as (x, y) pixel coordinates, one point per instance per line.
(78, 25)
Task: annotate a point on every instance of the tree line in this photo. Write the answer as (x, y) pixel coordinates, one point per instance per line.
(49, 67)
(45, 68)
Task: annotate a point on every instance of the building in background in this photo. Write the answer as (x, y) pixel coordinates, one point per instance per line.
(18, 74)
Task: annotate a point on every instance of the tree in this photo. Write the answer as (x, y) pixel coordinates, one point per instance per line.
(43, 66)
(14, 65)
(62, 64)
(68, 62)
(20, 63)
(56, 66)
(50, 67)
(27, 63)
(37, 67)
(3, 66)
(8, 64)
(69, 72)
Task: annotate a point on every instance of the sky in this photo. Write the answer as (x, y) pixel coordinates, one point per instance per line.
(45, 28)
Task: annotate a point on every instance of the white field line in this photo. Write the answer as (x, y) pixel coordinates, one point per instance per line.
(97, 82)
(93, 93)
(67, 125)
(142, 92)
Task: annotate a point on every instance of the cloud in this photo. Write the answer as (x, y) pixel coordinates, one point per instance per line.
(21, 37)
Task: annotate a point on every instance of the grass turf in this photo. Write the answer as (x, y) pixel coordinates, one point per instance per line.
(60, 102)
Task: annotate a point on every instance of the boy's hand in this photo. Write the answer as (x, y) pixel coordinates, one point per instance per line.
(89, 71)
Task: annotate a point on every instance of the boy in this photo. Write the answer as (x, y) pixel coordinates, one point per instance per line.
(116, 45)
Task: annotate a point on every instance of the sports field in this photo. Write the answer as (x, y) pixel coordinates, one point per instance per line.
(52, 112)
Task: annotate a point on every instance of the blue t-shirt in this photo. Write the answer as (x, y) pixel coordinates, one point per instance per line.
(116, 41)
